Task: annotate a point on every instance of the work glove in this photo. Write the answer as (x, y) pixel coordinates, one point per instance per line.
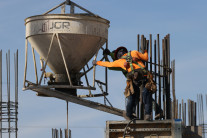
(94, 62)
(106, 51)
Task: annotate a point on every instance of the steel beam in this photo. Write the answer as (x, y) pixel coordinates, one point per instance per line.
(74, 99)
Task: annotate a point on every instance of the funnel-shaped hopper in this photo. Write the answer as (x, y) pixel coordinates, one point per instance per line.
(80, 37)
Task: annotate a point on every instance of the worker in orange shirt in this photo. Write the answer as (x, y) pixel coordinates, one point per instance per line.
(135, 75)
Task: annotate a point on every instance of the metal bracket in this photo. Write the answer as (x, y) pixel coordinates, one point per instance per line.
(72, 4)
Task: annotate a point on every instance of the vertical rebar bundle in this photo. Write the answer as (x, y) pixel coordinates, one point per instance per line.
(201, 113)
(160, 68)
(59, 134)
(9, 108)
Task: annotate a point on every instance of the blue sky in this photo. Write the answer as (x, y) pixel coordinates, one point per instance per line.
(184, 20)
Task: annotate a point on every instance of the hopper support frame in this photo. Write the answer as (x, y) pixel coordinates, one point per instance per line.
(72, 8)
(29, 85)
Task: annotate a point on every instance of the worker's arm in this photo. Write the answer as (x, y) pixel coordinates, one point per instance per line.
(142, 56)
(116, 63)
(111, 54)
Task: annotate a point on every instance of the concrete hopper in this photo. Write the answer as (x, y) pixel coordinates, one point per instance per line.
(80, 36)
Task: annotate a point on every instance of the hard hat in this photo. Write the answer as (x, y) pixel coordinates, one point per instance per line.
(119, 52)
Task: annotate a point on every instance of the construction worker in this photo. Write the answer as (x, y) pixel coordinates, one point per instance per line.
(112, 55)
(134, 74)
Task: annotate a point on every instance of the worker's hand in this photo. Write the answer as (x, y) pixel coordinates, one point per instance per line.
(126, 65)
(94, 62)
(135, 59)
(106, 51)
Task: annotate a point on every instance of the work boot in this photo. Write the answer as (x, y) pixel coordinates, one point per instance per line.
(147, 117)
(158, 116)
(133, 117)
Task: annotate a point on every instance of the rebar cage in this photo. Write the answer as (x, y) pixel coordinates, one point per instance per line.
(9, 108)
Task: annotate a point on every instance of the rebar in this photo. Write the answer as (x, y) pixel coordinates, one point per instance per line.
(9, 108)
(155, 76)
(67, 116)
(159, 74)
(106, 71)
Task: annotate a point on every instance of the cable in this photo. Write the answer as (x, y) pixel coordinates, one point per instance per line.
(128, 125)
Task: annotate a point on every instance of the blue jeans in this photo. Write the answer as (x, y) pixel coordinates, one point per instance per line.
(147, 100)
(131, 102)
